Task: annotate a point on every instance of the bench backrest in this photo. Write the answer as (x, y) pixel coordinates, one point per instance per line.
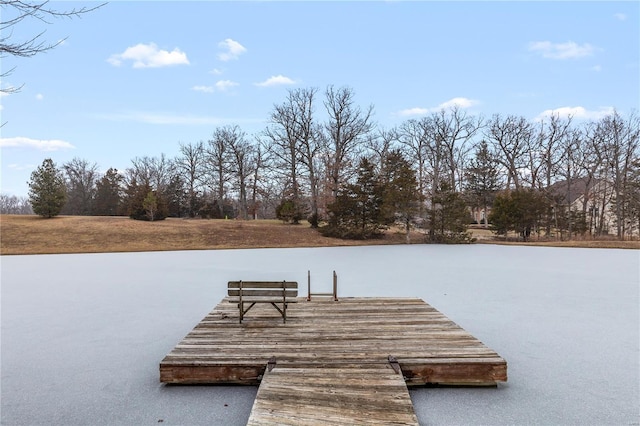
(275, 289)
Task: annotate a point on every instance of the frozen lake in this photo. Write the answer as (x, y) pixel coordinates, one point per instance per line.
(82, 335)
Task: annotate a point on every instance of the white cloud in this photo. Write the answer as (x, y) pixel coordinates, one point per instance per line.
(413, 111)
(41, 145)
(578, 112)
(451, 103)
(232, 50)
(220, 86)
(596, 68)
(149, 56)
(276, 80)
(457, 102)
(568, 50)
(215, 71)
(223, 85)
(39, 96)
(620, 16)
(203, 89)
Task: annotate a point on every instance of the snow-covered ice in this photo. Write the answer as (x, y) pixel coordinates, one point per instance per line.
(82, 335)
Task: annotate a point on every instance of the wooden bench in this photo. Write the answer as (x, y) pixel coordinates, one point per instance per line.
(278, 293)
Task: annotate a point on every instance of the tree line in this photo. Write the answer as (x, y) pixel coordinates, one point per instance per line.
(321, 157)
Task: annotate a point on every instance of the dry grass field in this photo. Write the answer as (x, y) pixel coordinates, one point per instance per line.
(20, 234)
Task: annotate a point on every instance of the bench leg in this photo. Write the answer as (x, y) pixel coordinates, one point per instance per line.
(282, 311)
(243, 310)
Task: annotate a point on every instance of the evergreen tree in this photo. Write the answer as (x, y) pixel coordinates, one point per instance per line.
(144, 203)
(520, 211)
(47, 190)
(108, 199)
(177, 197)
(449, 217)
(290, 211)
(357, 211)
(150, 205)
(482, 179)
(401, 197)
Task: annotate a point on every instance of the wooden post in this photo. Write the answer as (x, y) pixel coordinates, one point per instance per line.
(240, 304)
(335, 286)
(284, 301)
(308, 285)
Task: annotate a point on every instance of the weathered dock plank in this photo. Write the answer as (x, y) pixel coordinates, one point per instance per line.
(373, 394)
(351, 332)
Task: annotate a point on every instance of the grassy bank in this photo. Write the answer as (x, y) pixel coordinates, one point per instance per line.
(20, 234)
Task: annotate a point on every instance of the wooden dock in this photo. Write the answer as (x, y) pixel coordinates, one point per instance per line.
(333, 396)
(331, 358)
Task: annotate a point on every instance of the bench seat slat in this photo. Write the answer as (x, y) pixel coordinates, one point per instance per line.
(264, 293)
(262, 299)
(261, 284)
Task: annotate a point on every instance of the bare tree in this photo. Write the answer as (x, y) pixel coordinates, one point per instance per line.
(152, 171)
(14, 12)
(554, 136)
(141, 171)
(241, 165)
(454, 131)
(217, 164)
(510, 138)
(281, 142)
(12, 204)
(81, 177)
(294, 144)
(592, 158)
(381, 144)
(544, 154)
(190, 163)
(309, 143)
(621, 152)
(257, 179)
(346, 127)
(570, 167)
(415, 137)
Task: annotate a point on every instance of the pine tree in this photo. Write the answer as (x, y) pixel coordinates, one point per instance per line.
(108, 200)
(290, 211)
(401, 197)
(357, 211)
(47, 190)
(144, 203)
(449, 217)
(482, 179)
(520, 211)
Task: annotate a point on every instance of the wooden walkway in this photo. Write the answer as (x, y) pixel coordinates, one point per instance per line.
(333, 396)
(332, 358)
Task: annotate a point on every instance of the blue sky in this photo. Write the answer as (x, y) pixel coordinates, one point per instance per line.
(137, 78)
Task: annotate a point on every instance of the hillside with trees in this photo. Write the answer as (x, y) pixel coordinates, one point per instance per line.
(322, 158)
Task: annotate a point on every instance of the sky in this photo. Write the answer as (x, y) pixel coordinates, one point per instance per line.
(135, 79)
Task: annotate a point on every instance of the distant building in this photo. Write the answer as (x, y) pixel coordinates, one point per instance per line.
(594, 198)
